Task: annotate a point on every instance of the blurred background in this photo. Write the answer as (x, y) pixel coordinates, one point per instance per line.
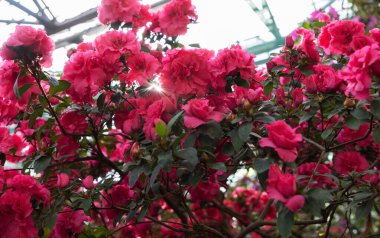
(258, 25)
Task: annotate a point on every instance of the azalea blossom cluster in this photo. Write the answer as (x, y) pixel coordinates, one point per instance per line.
(137, 139)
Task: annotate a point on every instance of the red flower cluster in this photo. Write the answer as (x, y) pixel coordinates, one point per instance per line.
(16, 204)
(28, 42)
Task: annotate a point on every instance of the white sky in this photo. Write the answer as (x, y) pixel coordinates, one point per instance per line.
(220, 23)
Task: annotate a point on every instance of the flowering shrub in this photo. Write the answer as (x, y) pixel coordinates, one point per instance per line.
(144, 137)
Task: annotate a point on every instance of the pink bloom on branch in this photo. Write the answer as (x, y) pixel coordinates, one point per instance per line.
(348, 134)
(337, 37)
(325, 79)
(349, 161)
(297, 96)
(28, 185)
(205, 190)
(358, 73)
(112, 44)
(307, 44)
(143, 66)
(32, 41)
(80, 125)
(175, 16)
(230, 62)
(282, 187)
(87, 74)
(319, 180)
(15, 216)
(7, 110)
(186, 72)
(120, 196)
(68, 221)
(283, 139)
(111, 11)
(199, 112)
(9, 72)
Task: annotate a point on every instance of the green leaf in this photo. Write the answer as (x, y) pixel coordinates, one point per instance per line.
(116, 97)
(100, 101)
(361, 113)
(266, 119)
(189, 158)
(278, 68)
(190, 141)
(134, 175)
(144, 48)
(130, 216)
(165, 159)
(240, 135)
(376, 135)
(228, 149)
(161, 129)
(235, 139)
(24, 88)
(316, 199)
(219, 166)
(86, 204)
(60, 87)
(307, 72)
(308, 115)
(212, 129)
(326, 133)
(262, 165)
(144, 210)
(33, 117)
(375, 108)
(16, 90)
(244, 131)
(353, 123)
(306, 25)
(154, 175)
(262, 177)
(268, 88)
(364, 209)
(41, 163)
(115, 25)
(285, 221)
(241, 82)
(172, 121)
(195, 45)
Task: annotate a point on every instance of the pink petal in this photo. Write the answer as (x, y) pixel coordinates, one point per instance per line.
(275, 194)
(295, 203)
(192, 122)
(266, 142)
(287, 155)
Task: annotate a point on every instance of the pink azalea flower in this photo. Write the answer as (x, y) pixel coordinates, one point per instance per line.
(283, 139)
(199, 112)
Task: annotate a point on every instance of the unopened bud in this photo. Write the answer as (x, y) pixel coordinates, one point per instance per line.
(246, 104)
(204, 156)
(349, 102)
(231, 117)
(135, 150)
(289, 42)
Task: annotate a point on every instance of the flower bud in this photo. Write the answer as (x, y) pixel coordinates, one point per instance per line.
(230, 117)
(88, 182)
(135, 149)
(289, 42)
(246, 104)
(62, 180)
(349, 102)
